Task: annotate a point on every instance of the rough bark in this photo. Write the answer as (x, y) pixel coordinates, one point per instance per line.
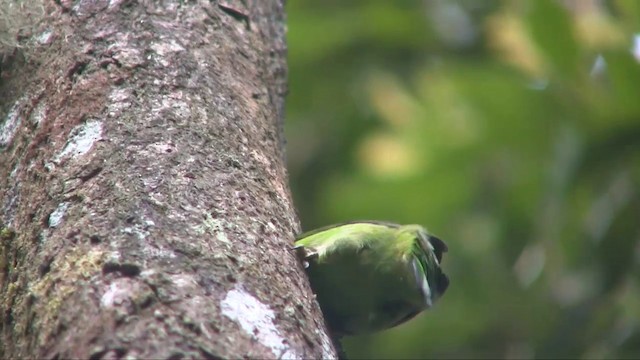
(144, 202)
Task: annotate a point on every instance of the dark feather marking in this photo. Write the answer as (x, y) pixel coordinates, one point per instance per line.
(439, 247)
(442, 283)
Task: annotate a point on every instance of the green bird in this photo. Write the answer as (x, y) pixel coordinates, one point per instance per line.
(370, 276)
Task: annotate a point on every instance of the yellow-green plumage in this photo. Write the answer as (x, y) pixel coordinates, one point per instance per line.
(370, 276)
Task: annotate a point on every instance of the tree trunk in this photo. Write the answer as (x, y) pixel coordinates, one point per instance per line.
(143, 194)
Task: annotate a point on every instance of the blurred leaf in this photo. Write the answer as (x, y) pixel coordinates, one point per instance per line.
(624, 72)
(551, 29)
(516, 142)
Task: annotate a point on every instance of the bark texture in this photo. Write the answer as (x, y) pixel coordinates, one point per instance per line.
(144, 203)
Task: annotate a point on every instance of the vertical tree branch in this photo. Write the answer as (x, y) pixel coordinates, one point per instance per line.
(145, 196)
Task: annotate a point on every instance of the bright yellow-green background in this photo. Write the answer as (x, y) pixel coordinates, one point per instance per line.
(487, 122)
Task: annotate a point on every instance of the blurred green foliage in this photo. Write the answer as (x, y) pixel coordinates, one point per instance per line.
(511, 129)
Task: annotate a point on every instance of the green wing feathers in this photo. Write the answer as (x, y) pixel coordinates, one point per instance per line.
(370, 276)
(428, 250)
(347, 237)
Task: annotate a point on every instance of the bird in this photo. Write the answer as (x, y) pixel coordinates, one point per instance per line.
(370, 276)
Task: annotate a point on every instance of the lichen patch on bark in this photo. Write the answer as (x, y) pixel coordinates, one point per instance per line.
(10, 124)
(55, 218)
(81, 140)
(257, 320)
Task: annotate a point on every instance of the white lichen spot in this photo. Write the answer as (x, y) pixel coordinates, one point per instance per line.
(128, 230)
(214, 227)
(173, 103)
(165, 48)
(43, 237)
(45, 37)
(184, 281)
(160, 253)
(115, 295)
(10, 125)
(163, 148)
(141, 233)
(49, 166)
(136, 231)
(55, 218)
(14, 172)
(222, 237)
(256, 319)
(114, 3)
(180, 108)
(81, 139)
(114, 256)
(272, 226)
(119, 100)
(125, 51)
(38, 114)
(120, 95)
(158, 314)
